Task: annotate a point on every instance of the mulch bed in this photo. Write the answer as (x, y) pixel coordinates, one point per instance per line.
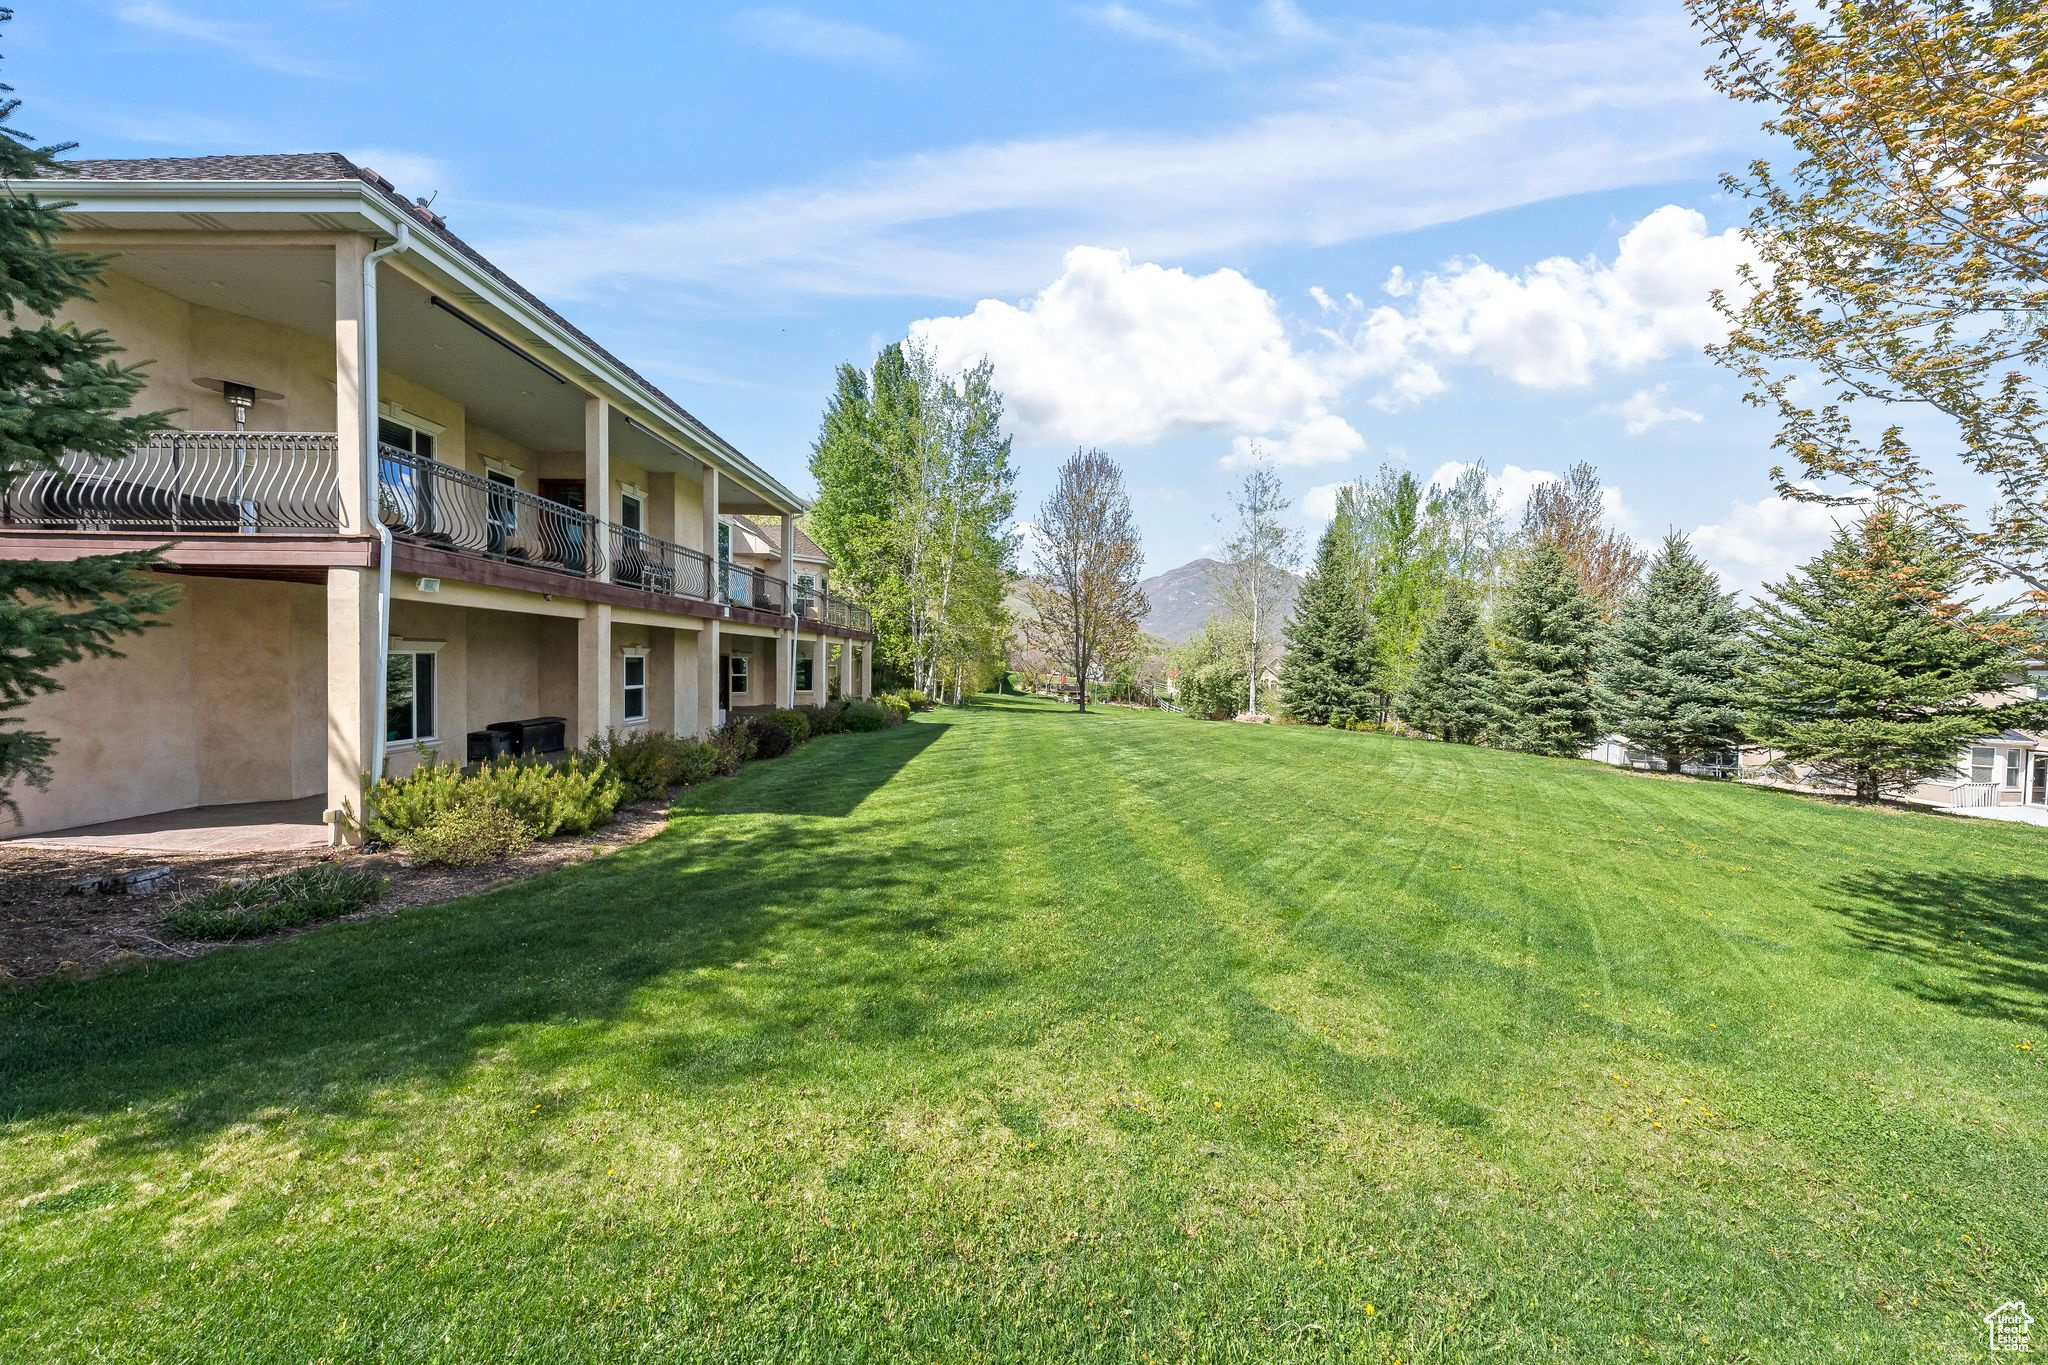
(46, 931)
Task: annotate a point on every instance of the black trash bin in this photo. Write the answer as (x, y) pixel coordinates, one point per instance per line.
(511, 732)
(487, 744)
(544, 735)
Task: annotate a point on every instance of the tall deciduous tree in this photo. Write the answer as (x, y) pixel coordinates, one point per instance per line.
(1902, 256)
(1258, 562)
(1084, 586)
(61, 389)
(1403, 572)
(1452, 692)
(1868, 675)
(1328, 671)
(915, 495)
(1666, 680)
(1571, 513)
(1548, 627)
(1211, 666)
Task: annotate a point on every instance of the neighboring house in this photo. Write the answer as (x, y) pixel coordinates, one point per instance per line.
(2006, 769)
(755, 550)
(443, 486)
(1617, 751)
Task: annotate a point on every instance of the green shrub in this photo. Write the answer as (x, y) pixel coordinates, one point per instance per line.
(572, 797)
(861, 717)
(797, 722)
(400, 804)
(649, 762)
(770, 739)
(480, 830)
(916, 700)
(732, 744)
(896, 708)
(283, 900)
(824, 720)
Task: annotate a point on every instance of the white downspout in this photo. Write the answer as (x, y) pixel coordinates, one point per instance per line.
(370, 494)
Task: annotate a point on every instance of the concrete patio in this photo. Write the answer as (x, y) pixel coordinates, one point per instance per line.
(248, 827)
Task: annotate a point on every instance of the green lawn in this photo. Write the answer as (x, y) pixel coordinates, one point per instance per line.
(1016, 1034)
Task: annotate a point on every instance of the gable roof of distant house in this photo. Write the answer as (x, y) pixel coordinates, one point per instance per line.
(333, 166)
(806, 548)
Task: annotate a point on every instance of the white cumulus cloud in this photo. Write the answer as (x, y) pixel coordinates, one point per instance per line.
(1553, 324)
(1760, 542)
(1646, 409)
(1120, 353)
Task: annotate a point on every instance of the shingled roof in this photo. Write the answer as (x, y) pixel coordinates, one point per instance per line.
(805, 547)
(333, 166)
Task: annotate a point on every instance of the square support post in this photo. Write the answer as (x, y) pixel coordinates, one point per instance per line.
(352, 461)
(785, 639)
(597, 479)
(352, 625)
(708, 716)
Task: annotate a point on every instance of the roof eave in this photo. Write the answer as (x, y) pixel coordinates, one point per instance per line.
(382, 217)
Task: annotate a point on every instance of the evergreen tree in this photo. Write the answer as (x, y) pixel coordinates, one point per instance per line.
(61, 389)
(1866, 674)
(1667, 668)
(1451, 693)
(1327, 672)
(1548, 628)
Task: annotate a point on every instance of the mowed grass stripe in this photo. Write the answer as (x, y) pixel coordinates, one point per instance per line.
(1013, 1034)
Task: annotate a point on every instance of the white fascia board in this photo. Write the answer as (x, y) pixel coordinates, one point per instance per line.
(375, 213)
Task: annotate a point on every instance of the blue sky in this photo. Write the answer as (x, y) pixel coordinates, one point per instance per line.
(1357, 233)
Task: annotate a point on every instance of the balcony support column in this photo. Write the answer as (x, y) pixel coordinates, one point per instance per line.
(867, 669)
(785, 640)
(846, 669)
(353, 624)
(707, 640)
(597, 478)
(593, 672)
(351, 460)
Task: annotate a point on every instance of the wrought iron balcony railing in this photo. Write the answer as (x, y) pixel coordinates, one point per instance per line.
(242, 481)
(750, 587)
(424, 500)
(639, 560)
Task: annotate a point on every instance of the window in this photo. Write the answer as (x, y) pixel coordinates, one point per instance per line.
(2040, 681)
(803, 672)
(630, 512)
(1981, 760)
(736, 674)
(2015, 760)
(409, 696)
(405, 499)
(724, 560)
(409, 439)
(635, 673)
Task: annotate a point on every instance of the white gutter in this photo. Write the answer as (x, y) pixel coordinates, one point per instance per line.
(370, 496)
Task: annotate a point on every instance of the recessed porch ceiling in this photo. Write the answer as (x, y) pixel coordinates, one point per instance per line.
(501, 390)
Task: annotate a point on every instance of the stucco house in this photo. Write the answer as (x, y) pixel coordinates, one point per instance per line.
(2007, 769)
(407, 501)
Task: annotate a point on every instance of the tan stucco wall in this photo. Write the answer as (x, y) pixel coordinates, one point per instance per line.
(183, 341)
(225, 702)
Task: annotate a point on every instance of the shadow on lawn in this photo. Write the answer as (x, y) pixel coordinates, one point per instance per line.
(1976, 943)
(318, 1023)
